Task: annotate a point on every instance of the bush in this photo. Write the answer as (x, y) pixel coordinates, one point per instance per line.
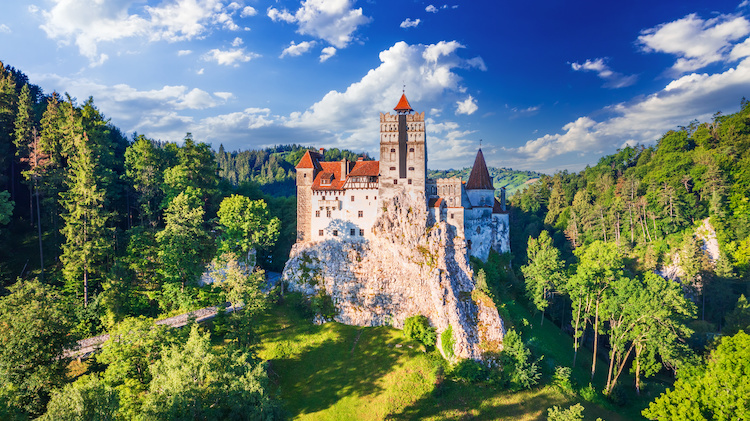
(515, 358)
(447, 342)
(573, 413)
(322, 305)
(418, 328)
(562, 380)
(469, 371)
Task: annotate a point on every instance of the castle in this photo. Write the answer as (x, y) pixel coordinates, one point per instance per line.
(341, 200)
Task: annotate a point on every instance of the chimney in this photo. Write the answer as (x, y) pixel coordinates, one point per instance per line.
(360, 158)
(321, 151)
(502, 199)
(344, 168)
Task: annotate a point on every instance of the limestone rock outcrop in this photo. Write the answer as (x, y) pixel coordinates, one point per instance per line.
(404, 269)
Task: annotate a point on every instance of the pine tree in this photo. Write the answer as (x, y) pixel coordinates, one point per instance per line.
(24, 125)
(85, 219)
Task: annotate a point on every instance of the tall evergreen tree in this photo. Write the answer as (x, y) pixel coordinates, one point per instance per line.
(85, 228)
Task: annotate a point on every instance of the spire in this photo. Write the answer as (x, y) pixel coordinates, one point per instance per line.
(479, 179)
(403, 105)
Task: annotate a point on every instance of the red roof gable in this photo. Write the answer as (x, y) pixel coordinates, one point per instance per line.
(403, 105)
(365, 169)
(497, 207)
(479, 179)
(435, 202)
(309, 160)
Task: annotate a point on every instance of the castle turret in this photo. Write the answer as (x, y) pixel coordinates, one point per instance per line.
(479, 188)
(307, 169)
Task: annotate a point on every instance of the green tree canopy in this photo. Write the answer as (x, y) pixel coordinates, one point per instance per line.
(34, 331)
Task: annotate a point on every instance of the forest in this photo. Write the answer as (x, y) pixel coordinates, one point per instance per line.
(595, 243)
(103, 233)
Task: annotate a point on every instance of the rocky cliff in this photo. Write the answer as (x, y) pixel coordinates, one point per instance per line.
(404, 269)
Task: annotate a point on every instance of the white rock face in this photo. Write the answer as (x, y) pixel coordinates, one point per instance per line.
(404, 270)
(709, 244)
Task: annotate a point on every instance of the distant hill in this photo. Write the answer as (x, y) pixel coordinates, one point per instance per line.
(512, 180)
(273, 169)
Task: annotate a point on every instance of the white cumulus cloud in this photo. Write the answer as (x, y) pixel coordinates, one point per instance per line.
(90, 23)
(184, 52)
(696, 42)
(327, 53)
(467, 106)
(408, 23)
(230, 57)
(431, 8)
(4, 29)
(295, 50)
(248, 11)
(613, 79)
(643, 120)
(334, 21)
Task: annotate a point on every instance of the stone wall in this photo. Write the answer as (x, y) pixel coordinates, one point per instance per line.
(404, 269)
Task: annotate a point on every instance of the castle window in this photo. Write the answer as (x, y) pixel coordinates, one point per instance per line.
(395, 181)
(375, 198)
(351, 231)
(367, 197)
(328, 213)
(411, 149)
(320, 233)
(335, 233)
(411, 168)
(468, 244)
(324, 198)
(361, 233)
(410, 181)
(352, 198)
(304, 176)
(393, 168)
(393, 150)
(451, 215)
(360, 214)
(317, 214)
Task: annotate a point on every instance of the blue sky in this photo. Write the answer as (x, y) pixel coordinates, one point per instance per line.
(546, 85)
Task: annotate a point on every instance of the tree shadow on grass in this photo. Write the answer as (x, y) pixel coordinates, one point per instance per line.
(453, 400)
(349, 365)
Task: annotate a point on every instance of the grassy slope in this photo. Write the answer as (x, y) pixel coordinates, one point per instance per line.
(342, 372)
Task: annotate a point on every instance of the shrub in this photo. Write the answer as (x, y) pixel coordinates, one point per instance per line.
(447, 342)
(561, 378)
(418, 327)
(469, 371)
(573, 413)
(515, 358)
(322, 305)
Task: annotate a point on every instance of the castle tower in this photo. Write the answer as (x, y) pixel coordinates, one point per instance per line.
(307, 169)
(479, 188)
(403, 151)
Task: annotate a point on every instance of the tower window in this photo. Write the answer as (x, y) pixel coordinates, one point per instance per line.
(411, 149)
(360, 214)
(317, 214)
(361, 233)
(320, 233)
(328, 213)
(351, 231)
(410, 181)
(304, 176)
(393, 168)
(335, 233)
(393, 150)
(352, 198)
(411, 168)
(395, 181)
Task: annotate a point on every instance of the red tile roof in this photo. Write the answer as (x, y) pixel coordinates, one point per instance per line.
(403, 104)
(328, 169)
(479, 179)
(365, 169)
(309, 160)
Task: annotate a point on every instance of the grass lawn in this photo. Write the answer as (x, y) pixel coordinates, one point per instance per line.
(339, 372)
